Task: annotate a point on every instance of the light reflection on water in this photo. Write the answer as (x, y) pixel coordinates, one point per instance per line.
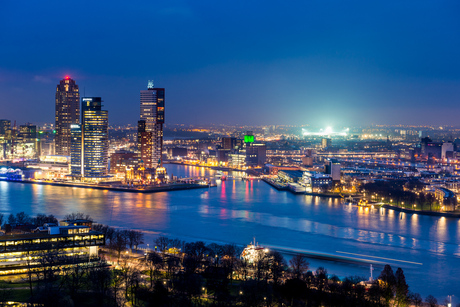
(236, 211)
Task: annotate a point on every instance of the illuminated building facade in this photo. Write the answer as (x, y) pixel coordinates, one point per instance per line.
(67, 113)
(256, 154)
(76, 167)
(145, 143)
(89, 157)
(122, 161)
(23, 252)
(5, 126)
(152, 111)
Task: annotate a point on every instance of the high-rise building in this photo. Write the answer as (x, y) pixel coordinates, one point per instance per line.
(67, 113)
(145, 143)
(90, 141)
(152, 112)
(5, 126)
(228, 143)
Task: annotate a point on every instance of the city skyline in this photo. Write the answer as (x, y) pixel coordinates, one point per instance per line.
(315, 63)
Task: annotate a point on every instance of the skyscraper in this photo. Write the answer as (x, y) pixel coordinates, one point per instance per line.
(67, 113)
(152, 112)
(90, 141)
(145, 144)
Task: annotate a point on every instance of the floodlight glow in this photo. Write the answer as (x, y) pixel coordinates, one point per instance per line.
(326, 132)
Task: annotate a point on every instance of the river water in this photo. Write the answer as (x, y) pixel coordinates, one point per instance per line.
(425, 247)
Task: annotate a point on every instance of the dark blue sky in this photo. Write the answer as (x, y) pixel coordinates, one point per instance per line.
(246, 62)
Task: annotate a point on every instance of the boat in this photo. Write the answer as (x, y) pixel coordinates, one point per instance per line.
(363, 203)
(253, 251)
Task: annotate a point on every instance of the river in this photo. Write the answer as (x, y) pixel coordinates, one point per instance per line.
(425, 247)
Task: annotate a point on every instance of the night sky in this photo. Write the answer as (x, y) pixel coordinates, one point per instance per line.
(319, 62)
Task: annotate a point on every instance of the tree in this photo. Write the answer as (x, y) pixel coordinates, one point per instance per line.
(77, 216)
(277, 265)
(22, 218)
(321, 278)
(299, 265)
(402, 289)
(154, 262)
(11, 219)
(389, 282)
(118, 243)
(134, 238)
(41, 219)
(2, 217)
(162, 243)
(415, 299)
(431, 300)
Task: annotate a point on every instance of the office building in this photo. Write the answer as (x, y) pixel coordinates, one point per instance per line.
(145, 145)
(89, 148)
(256, 154)
(122, 161)
(152, 111)
(332, 168)
(67, 113)
(228, 143)
(5, 126)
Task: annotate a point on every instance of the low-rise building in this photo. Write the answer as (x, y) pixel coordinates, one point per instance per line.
(69, 245)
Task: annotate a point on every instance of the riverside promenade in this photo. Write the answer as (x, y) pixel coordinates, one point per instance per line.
(422, 212)
(120, 188)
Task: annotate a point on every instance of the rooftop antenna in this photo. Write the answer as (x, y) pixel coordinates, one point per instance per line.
(150, 84)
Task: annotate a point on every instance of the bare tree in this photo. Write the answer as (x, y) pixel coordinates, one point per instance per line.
(431, 300)
(118, 243)
(78, 216)
(162, 243)
(135, 238)
(299, 265)
(416, 299)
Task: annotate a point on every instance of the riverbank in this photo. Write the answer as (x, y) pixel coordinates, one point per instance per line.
(286, 188)
(430, 213)
(253, 172)
(152, 189)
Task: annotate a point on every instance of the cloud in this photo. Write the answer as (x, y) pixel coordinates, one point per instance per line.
(43, 79)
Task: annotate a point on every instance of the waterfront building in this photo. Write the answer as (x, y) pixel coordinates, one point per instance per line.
(89, 154)
(20, 253)
(274, 169)
(152, 111)
(123, 161)
(145, 145)
(290, 176)
(316, 182)
(237, 160)
(67, 113)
